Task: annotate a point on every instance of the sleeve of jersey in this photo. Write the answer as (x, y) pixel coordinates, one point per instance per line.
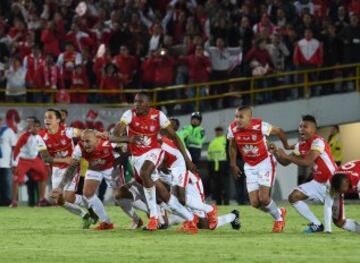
(164, 121)
(126, 117)
(266, 128)
(296, 150)
(230, 134)
(318, 145)
(77, 153)
(41, 146)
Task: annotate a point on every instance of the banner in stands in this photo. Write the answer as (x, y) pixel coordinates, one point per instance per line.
(80, 116)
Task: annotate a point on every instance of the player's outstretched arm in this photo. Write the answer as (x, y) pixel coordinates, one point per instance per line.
(235, 170)
(47, 158)
(278, 132)
(69, 173)
(170, 132)
(307, 161)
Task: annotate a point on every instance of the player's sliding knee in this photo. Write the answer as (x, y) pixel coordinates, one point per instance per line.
(339, 222)
(293, 198)
(264, 201)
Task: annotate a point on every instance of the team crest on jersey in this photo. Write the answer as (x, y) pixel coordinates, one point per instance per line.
(254, 137)
(256, 127)
(152, 128)
(250, 150)
(137, 124)
(63, 142)
(153, 117)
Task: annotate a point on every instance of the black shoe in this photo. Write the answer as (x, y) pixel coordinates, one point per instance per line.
(236, 222)
(94, 217)
(163, 226)
(312, 228)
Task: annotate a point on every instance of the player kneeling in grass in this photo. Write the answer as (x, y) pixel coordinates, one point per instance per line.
(101, 157)
(345, 180)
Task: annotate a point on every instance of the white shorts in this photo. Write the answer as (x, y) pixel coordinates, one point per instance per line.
(156, 156)
(57, 176)
(100, 175)
(338, 208)
(314, 190)
(196, 191)
(178, 176)
(262, 174)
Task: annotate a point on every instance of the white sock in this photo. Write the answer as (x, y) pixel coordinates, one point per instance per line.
(175, 219)
(95, 203)
(225, 219)
(351, 225)
(197, 204)
(74, 208)
(304, 210)
(79, 200)
(127, 206)
(150, 195)
(178, 208)
(274, 211)
(140, 205)
(160, 214)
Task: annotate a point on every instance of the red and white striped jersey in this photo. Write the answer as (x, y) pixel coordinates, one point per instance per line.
(27, 147)
(148, 127)
(352, 172)
(251, 141)
(324, 166)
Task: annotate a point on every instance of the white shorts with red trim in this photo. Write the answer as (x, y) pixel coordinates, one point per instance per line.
(196, 190)
(156, 156)
(100, 175)
(262, 174)
(314, 190)
(57, 175)
(338, 208)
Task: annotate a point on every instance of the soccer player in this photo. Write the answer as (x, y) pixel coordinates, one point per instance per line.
(249, 136)
(101, 157)
(26, 160)
(145, 123)
(345, 180)
(56, 148)
(311, 151)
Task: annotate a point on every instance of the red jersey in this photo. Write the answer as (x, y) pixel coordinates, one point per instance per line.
(324, 165)
(148, 127)
(59, 145)
(100, 159)
(352, 172)
(251, 141)
(172, 154)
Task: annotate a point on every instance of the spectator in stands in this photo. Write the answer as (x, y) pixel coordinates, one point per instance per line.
(64, 116)
(127, 66)
(67, 62)
(223, 60)
(32, 64)
(148, 71)
(50, 78)
(308, 54)
(218, 167)
(7, 143)
(79, 82)
(336, 145)
(111, 80)
(15, 84)
(51, 37)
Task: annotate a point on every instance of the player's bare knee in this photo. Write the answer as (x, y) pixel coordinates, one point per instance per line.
(88, 193)
(264, 200)
(339, 222)
(70, 198)
(123, 193)
(293, 197)
(255, 203)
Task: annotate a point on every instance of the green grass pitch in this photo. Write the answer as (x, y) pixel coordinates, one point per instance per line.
(53, 235)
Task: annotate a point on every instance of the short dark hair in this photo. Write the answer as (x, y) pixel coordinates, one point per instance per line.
(36, 121)
(337, 180)
(144, 94)
(219, 128)
(309, 118)
(336, 127)
(65, 110)
(56, 112)
(32, 118)
(244, 107)
(176, 120)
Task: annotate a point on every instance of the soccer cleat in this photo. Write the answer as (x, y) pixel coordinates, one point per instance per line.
(312, 228)
(94, 217)
(188, 227)
(137, 225)
(152, 224)
(163, 226)
(235, 224)
(86, 221)
(13, 204)
(212, 217)
(280, 225)
(104, 226)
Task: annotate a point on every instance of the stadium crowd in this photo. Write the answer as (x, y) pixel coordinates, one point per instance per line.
(57, 45)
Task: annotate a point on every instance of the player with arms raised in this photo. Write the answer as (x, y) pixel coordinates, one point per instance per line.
(345, 180)
(249, 136)
(143, 124)
(311, 151)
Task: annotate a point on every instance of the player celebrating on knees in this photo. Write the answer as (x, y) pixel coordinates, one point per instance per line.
(99, 153)
(345, 180)
(26, 159)
(249, 135)
(311, 151)
(144, 123)
(56, 148)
